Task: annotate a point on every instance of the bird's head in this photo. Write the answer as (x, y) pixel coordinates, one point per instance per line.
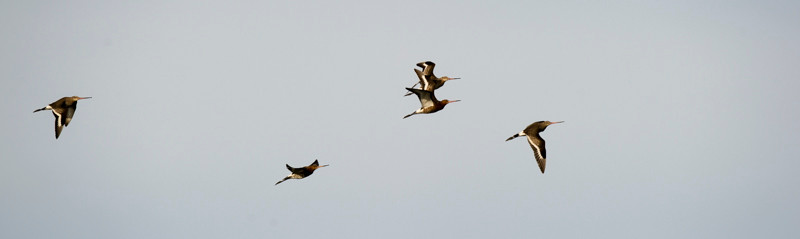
(315, 167)
(80, 98)
(544, 124)
(449, 101)
(445, 78)
(549, 122)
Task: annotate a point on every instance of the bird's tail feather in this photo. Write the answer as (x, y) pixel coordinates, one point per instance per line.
(410, 93)
(284, 179)
(512, 137)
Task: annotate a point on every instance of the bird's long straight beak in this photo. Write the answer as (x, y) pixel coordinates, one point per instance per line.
(83, 98)
(451, 101)
(324, 165)
(557, 122)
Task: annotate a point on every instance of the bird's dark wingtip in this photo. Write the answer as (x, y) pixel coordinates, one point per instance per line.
(58, 131)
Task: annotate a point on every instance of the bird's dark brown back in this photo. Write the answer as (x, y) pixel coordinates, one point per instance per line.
(304, 171)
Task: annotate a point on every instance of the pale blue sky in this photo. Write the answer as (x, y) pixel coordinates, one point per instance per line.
(681, 119)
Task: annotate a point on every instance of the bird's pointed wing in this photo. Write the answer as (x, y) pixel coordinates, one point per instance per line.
(427, 72)
(539, 151)
(426, 98)
(59, 123)
(69, 113)
(423, 80)
(427, 67)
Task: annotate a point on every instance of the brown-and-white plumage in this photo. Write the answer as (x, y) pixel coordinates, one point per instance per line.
(63, 109)
(536, 141)
(298, 173)
(428, 101)
(427, 80)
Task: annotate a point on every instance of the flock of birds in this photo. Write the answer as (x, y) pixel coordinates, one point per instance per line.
(64, 109)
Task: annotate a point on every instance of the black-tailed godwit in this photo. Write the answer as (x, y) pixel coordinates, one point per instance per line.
(536, 141)
(63, 109)
(428, 101)
(298, 173)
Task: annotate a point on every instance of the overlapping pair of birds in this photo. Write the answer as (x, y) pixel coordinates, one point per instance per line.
(64, 108)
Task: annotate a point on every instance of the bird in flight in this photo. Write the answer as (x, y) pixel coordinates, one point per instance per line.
(427, 80)
(428, 101)
(536, 141)
(298, 173)
(63, 109)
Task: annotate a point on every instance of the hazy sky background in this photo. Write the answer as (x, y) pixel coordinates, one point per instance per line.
(681, 119)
